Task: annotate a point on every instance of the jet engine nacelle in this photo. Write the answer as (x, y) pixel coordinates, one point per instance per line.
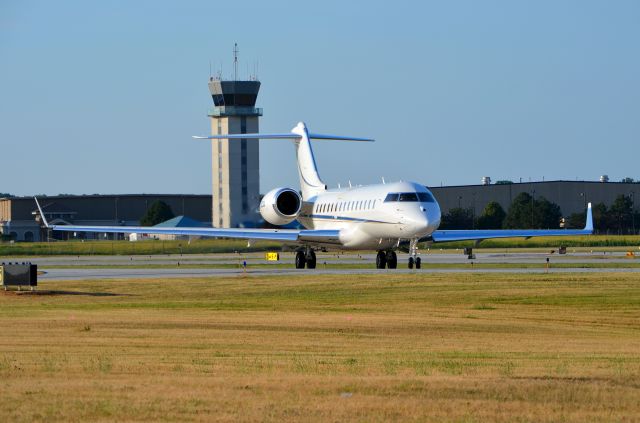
(281, 206)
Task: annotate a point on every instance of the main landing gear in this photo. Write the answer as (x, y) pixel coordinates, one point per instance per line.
(386, 259)
(306, 257)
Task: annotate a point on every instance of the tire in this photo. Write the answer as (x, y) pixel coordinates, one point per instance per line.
(381, 260)
(410, 262)
(300, 260)
(418, 263)
(392, 260)
(311, 260)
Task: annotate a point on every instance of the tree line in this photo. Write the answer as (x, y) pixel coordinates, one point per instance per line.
(527, 212)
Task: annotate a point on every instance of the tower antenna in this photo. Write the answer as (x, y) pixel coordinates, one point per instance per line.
(235, 61)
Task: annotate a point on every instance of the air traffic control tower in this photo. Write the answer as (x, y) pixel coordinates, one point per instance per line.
(235, 163)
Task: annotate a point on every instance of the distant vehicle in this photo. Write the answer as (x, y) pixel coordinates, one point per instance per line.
(384, 217)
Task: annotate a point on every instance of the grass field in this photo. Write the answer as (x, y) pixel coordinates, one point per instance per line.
(421, 347)
(200, 246)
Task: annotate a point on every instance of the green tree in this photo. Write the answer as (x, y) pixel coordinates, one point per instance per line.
(576, 221)
(621, 214)
(600, 218)
(457, 218)
(520, 213)
(546, 215)
(526, 212)
(492, 217)
(627, 180)
(158, 212)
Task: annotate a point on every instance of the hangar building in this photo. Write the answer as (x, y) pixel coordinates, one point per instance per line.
(571, 196)
(18, 215)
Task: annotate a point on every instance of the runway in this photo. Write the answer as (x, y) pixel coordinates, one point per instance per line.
(219, 265)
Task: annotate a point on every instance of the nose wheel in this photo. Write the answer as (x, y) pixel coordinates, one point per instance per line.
(417, 262)
(414, 260)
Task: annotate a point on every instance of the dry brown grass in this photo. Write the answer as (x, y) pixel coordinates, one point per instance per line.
(481, 347)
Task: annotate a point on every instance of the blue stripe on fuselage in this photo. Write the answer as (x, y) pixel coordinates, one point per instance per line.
(345, 218)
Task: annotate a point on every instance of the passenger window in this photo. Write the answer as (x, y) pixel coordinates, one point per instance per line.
(392, 196)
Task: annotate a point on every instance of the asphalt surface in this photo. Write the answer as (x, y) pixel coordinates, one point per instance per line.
(173, 266)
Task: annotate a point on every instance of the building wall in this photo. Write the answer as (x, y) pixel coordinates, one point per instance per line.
(571, 196)
(16, 214)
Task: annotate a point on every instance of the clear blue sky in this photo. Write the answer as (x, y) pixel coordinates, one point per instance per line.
(102, 97)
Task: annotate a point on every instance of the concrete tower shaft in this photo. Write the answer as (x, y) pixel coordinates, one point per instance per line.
(236, 163)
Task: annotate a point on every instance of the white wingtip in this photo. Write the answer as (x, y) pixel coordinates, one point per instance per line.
(44, 219)
(589, 223)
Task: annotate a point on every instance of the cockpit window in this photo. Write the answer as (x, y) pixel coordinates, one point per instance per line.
(426, 197)
(423, 197)
(408, 196)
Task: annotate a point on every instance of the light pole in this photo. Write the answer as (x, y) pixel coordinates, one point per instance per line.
(533, 197)
(633, 215)
(473, 220)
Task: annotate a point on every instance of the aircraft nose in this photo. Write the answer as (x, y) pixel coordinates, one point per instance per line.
(419, 221)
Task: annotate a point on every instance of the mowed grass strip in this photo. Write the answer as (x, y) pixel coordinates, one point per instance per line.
(421, 347)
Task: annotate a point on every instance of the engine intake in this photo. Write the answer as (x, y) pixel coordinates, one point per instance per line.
(281, 206)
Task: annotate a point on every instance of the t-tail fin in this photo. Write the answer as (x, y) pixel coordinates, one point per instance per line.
(310, 182)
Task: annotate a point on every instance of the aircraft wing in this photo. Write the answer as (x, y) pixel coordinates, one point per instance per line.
(465, 235)
(283, 235)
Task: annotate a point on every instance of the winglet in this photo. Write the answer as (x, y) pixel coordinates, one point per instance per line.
(44, 219)
(589, 225)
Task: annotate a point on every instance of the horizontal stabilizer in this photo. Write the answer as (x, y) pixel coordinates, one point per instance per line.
(280, 137)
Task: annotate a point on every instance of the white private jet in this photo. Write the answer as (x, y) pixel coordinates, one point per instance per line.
(384, 217)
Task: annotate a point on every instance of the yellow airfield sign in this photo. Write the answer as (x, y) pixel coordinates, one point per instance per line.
(271, 256)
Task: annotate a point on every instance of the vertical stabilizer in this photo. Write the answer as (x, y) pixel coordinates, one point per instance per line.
(310, 182)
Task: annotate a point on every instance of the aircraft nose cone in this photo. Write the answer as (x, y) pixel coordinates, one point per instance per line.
(419, 222)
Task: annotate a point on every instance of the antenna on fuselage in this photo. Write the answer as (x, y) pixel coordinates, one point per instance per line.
(383, 180)
(349, 183)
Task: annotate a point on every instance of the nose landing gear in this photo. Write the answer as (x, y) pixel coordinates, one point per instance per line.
(417, 262)
(413, 255)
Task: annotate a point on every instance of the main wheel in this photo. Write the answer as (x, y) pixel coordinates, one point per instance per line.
(311, 260)
(381, 260)
(392, 260)
(410, 262)
(418, 263)
(300, 260)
